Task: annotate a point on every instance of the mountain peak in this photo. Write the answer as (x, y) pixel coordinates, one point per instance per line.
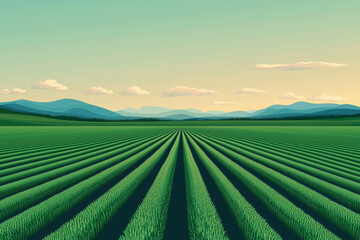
(61, 107)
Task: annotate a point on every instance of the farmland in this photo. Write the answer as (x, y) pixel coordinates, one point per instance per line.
(185, 180)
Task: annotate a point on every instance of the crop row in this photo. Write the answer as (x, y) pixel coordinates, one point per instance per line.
(103, 159)
(310, 159)
(149, 221)
(89, 222)
(37, 217)
(305, 175)
(326, 148)
(39, 154)
(252, 225)
(82, 190)
(334, 157)
(203, 220)
(335, 213)
(37, 167)
(24, 199)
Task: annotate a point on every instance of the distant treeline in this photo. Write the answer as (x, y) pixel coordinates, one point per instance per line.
(76, 118)
(297, 118)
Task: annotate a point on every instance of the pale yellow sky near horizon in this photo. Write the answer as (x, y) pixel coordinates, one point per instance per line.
(210, 48)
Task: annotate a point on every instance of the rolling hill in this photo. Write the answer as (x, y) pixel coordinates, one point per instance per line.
(78, 109)
(299, 109)
(63, 107)
(305, 109)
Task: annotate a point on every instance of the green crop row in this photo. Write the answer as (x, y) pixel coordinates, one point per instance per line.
(306, 175)
(33, 181)
(42, 159)
(328, 151)
(333, 166)
(294, 141)
(35, 139)
(261, 155)
(203, 219)
(326, 145)
(89, 222)
(309, 159)
(20, 153)
(39, 155)
(292, 216)
(252, 225)
(335, 213)
(149, 220)
(24, 199)
(25, 224)
(312, 153)
(337, 157)
(38, 167)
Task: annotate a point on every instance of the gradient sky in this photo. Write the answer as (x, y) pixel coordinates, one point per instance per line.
(218, 47)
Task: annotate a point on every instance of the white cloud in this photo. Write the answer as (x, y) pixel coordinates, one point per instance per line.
(300, 66)
(327, 97)
(98, 91)
(225, 103)
(51, 84)
(134, 90)
(187, 91)
(250, 90)
(290, 95)
(13, 91)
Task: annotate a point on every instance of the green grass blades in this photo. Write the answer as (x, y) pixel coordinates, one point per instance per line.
(340, 216)
(76, 182)
(203, 219)
(89, 222)
(252, 225)
(47, 211)
(150, 218)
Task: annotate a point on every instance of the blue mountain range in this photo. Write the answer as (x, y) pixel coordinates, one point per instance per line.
(75, 108)
(63, 107)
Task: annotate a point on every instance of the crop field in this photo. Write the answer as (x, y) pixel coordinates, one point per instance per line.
(180, 182)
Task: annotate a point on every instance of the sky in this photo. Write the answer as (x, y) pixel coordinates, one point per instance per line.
(210, 55)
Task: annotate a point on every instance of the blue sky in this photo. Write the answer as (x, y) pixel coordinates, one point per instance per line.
(120, 54)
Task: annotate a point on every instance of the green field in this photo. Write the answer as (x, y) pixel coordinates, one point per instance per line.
(282, 179)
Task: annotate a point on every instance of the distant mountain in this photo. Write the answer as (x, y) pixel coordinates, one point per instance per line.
(305, 109)
(145, 110)
(178, 117)
(193, 110)
(174, 114)
(64, 107)
(235, 114)
(78, 109)
(215, 112)
(299, 109)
